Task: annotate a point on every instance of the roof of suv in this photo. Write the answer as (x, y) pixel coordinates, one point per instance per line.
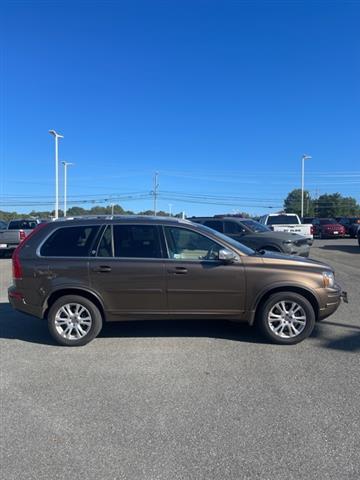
(105, 219)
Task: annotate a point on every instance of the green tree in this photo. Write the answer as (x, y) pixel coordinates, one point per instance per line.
(335, 205)
(292, 203)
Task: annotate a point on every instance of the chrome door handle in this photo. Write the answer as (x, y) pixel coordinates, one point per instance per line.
(178, 271)
(102, 268)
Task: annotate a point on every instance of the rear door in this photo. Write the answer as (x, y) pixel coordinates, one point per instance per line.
(197, 282)
(128, 271)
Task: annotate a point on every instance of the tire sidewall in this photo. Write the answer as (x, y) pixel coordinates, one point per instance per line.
(95, 317)
(292, 297)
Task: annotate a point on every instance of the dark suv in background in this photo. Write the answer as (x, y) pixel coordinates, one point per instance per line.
(78, 274)
(257, 236)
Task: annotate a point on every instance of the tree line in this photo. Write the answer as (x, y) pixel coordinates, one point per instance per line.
(326, 205)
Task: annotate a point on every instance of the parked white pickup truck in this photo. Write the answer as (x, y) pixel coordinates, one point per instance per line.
(288, 222)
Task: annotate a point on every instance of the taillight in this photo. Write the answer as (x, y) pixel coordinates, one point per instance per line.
(312, 230)
(22, 235)
(16, 264)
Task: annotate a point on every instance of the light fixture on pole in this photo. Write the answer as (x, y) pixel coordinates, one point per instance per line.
(303, 158)
(56, 136)
(66, 164)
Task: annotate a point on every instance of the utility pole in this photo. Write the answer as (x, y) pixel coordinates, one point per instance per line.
(155, 191)
(303, 158)
(170, 209)
(56, 137)
(66, 164)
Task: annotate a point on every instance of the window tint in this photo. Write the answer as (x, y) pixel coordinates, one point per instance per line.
(105, 248)
(70, 242)
(255, 226)
(282, 220)
(328, 221)
(136, 241)
(215, 224)
(22, 224)
(184, 244)
(233, 227)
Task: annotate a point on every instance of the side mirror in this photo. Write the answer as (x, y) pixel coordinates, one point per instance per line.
(227, 256)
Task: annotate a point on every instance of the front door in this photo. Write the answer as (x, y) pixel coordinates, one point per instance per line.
(128, 271)
(197, 281)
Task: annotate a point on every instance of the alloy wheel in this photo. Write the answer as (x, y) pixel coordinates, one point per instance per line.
(287, 319)
(73, 321)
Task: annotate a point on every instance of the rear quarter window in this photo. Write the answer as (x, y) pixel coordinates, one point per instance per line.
(70, 242)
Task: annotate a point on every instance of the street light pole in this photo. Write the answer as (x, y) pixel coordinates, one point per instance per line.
(66, 164)
(56, 136)
(155, 191)
(303, 158)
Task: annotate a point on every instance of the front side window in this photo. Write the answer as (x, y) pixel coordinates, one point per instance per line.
(184, 244)
(70, 242)
(136, 241)
(233, 227)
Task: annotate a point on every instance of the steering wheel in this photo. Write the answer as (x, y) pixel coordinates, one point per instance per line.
(212, 253)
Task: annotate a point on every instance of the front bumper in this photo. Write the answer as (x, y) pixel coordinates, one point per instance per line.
(298, 250)
(330, 301)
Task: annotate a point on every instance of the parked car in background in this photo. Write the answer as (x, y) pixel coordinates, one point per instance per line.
(257, 236)
(15, 232)
(351, 224)
(358, 236)
(287, 222)
(328, 228)
(78, 274)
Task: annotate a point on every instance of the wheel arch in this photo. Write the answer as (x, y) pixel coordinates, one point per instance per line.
(82, 292)
(310, 296)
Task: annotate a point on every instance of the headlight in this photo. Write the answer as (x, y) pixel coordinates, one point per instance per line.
(287, 242)
(328, 279)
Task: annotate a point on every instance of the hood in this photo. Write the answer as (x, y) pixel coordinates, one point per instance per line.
(282, 235)
(268, 257)
(276, 236)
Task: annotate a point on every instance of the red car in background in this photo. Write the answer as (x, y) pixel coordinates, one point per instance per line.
(328, 228)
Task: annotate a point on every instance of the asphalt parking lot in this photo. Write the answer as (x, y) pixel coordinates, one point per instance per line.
(184, 400)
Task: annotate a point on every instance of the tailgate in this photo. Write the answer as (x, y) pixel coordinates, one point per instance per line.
(299, 229)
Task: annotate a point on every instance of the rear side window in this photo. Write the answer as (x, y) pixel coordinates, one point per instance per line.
(70, 242)
(137, 241)
(215, 224)
(22, 225)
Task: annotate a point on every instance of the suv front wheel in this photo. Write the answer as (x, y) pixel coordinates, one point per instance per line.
(286, 318)
(74, 320)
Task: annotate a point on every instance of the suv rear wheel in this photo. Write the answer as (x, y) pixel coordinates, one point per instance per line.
(74, 320)
(286, 318)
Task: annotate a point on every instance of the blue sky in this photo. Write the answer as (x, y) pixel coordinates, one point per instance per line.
(221, 97)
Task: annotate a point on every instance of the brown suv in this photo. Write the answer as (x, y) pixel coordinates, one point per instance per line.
(79, 273)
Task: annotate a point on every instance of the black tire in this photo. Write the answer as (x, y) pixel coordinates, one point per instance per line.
(289, 298)
(91, 311)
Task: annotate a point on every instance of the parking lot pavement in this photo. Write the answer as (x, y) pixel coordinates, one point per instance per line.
(184, 400)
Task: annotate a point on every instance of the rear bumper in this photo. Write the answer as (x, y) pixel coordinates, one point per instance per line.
(18, 302)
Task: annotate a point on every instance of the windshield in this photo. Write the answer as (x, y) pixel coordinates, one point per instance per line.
(328, 221)
(282, 219)
(231, 241)
(255, 226)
